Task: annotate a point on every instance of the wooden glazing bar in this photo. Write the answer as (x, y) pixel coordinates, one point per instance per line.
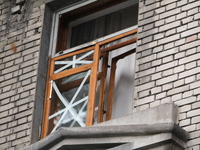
(119, 45)
(76, 83)
(118, 37)
(124, 55)
(46, 103)
(113, 47)
(70, 72)
(102, 88)
(73, 53)
(92, 87)
(111, 90)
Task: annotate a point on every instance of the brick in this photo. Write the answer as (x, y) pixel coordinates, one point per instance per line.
(28, 75)
(178, 90)
(187, 94)
(22, 120)
(191, 38)
(144, 94)
(182, 2)
(156, 76)
(168, 39)
(168, 72)
(177, 97)
(156, 90)
(190, 6)
(167, 80)
(169, 45)
(15, 9)
(25, 88)
(165, 100)
(167, 66)
(146, 53)
(145, 66)
(147, 59)
(171, 6)
(170, 32)
(159, 23)
(145, 100)
(189, 72)
(193, 24)
(19, 141)
(147, 46)
(194, 141)
(182, 116)
(182, 28)
(170, 19)
(149, 7)
(5, 120)
(169, 26)
(179, 83)
(11, 69)
(156, 62)
(179, 69)
(194, 85)
(190, 32)
(165, 2)
(193, 113)
(159, 36)
(21, 115)
(8, 94)
(145, 86)
(196, 105)
(190, 65)
(195, 119)
(185, 108)
(185, 101)
(170, 13)
(181, 15)
(167, 86)
(144, 80)
(161, 95)
(168, 52)
(191, 51)
(147, 39)
(184, 122)
(148, 33)
(187, 20)
(197, 16)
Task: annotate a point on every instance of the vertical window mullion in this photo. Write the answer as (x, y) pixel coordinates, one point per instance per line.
(92, 87)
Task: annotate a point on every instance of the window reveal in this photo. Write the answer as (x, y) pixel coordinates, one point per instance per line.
(79, 70)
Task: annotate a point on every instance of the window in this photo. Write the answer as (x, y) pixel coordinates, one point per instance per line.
(89, 41)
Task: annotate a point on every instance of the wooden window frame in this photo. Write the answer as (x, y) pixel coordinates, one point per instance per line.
(94, 77)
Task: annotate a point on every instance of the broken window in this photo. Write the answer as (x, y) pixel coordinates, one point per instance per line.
(91, 67)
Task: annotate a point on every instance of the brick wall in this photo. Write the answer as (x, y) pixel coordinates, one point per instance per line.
(20, 26)
(167, 70)
(168, 60)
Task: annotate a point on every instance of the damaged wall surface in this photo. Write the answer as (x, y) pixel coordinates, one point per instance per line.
(167, 65)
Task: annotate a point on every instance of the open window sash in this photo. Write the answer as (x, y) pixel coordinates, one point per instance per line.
(82, 59)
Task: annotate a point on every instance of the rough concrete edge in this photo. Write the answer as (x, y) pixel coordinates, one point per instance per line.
(124, 130)
(41, 75)
(171, 107)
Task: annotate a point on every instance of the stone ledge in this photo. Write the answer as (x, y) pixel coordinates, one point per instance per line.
(141, 135)
(152, 128)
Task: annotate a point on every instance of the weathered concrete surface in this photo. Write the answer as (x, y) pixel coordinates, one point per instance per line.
(161, 114)
(141, 134)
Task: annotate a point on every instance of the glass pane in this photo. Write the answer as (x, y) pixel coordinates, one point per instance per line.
(73, 61)
(73, 77)
(105, 25)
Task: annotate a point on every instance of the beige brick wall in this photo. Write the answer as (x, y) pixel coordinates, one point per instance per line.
(168, 60)
(18, 70)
